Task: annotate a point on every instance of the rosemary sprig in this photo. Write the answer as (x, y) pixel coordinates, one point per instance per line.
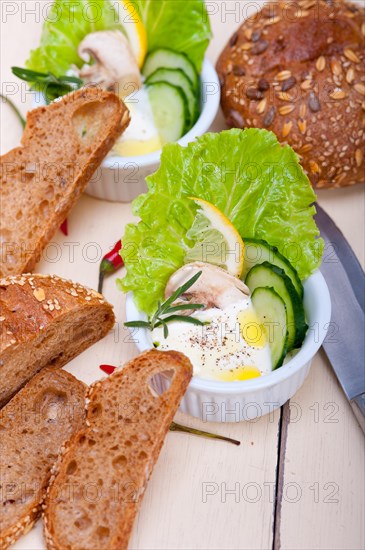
(174, 427)
(50, 85)
(14, 108)
(166, 312)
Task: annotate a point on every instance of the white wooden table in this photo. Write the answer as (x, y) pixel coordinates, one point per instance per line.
(297, 480)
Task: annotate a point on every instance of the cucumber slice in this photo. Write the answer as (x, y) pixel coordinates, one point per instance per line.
(267, 274)
(258, 251)
(170, 110)
(169, 59)
(177, 77)
(271, 310)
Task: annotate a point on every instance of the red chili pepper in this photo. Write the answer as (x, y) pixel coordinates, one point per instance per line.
(64, 227)
(110, 263)
(108, 369)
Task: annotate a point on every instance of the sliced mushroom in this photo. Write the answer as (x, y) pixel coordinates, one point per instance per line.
(115, 67)
(214, 288)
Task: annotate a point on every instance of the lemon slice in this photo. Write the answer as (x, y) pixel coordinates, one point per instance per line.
(216, 239)
(135, 30)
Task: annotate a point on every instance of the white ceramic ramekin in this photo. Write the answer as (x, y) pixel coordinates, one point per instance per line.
(215, 401)
(122, 179)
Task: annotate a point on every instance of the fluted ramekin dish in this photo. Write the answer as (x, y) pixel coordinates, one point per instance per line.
(216, 401)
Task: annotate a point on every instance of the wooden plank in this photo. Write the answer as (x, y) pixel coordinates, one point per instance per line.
(322, 502)
(208, 494)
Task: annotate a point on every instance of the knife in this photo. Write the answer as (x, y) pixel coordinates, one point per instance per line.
(344, 344)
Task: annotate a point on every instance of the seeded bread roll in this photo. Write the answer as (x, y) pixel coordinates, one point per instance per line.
(45, 321)
(297, 68)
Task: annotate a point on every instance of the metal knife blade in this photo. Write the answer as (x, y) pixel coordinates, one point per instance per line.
(345, 342)
(338, 243)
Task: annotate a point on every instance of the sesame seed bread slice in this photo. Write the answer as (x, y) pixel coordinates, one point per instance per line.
(110, 461)
(62, 146)
(34, 425)
(45, 321)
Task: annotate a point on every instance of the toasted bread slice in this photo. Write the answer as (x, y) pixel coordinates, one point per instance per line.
(34, 425)
(126, 426)
(63, 145)
(45, 320)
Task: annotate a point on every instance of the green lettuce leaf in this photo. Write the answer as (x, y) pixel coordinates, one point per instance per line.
(256, 182)
(66, 25)
(181, 25)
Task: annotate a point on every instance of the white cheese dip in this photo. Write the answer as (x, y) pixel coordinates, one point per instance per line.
(232, 346)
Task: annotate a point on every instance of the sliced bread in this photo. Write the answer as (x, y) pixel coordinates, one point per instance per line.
(34, 425)
(109, 462)
(62, 146)
(45, 321)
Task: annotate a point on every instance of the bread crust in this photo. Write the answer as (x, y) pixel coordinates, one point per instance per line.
(62, 146)
(138, 434)
(298, 69)
(28, 426)
(30, 306)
